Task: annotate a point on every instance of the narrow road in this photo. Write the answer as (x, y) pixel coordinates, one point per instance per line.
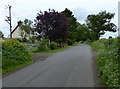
(69, 68)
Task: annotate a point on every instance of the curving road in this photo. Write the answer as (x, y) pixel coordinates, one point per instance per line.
(69, 68)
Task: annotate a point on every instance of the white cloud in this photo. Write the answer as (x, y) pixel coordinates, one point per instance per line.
(80, 14)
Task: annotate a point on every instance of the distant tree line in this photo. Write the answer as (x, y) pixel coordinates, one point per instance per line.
(63, 27)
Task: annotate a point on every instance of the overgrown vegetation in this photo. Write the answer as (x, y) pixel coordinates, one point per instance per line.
(43, 46)
(108, 61)
(53, 45)
(14, 54)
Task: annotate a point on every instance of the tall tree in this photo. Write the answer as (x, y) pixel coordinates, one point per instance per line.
(100, 23)
(72, 24)
(83, 33)
(26, 28)
(51, 25)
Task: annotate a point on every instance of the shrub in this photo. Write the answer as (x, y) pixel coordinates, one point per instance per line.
(53, 45)
(32, 39)
(70, 42)
(24, 40)
(13, 53)
(43, 46)
(18, 39)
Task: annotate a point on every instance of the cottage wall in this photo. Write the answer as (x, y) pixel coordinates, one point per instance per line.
(16, 33)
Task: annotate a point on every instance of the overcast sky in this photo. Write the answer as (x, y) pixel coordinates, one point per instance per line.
(22, 9)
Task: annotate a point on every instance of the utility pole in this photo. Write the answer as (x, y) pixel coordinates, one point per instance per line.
(9, 20)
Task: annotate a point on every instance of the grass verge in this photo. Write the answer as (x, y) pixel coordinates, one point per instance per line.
(52, 51)
(107, 61)
(13, 68)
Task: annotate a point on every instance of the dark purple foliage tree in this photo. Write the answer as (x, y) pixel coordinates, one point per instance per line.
(51, 25)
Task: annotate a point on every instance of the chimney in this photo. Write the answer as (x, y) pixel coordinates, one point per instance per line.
(19, 23)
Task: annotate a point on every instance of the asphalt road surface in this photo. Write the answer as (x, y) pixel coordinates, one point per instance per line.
(69, 68)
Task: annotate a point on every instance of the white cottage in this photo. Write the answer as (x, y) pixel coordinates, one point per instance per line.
(17, 32)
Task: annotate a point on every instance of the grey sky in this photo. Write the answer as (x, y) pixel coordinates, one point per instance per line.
(22, 9)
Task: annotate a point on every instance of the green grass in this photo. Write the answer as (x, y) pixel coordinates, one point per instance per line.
(52, 51)
(12, 68)
(58, 49)
(107, 61)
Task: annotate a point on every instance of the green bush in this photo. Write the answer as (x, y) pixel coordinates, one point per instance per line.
(24, 40)
(43, 46)
(53, 45)
(13, 54)
(32, 39)
(70, 42)
(20, 40)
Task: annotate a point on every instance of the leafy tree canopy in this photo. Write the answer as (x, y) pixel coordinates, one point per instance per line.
(51, 25)
(100, 23)
(83, 33)
(72, 24)
(27, 26)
